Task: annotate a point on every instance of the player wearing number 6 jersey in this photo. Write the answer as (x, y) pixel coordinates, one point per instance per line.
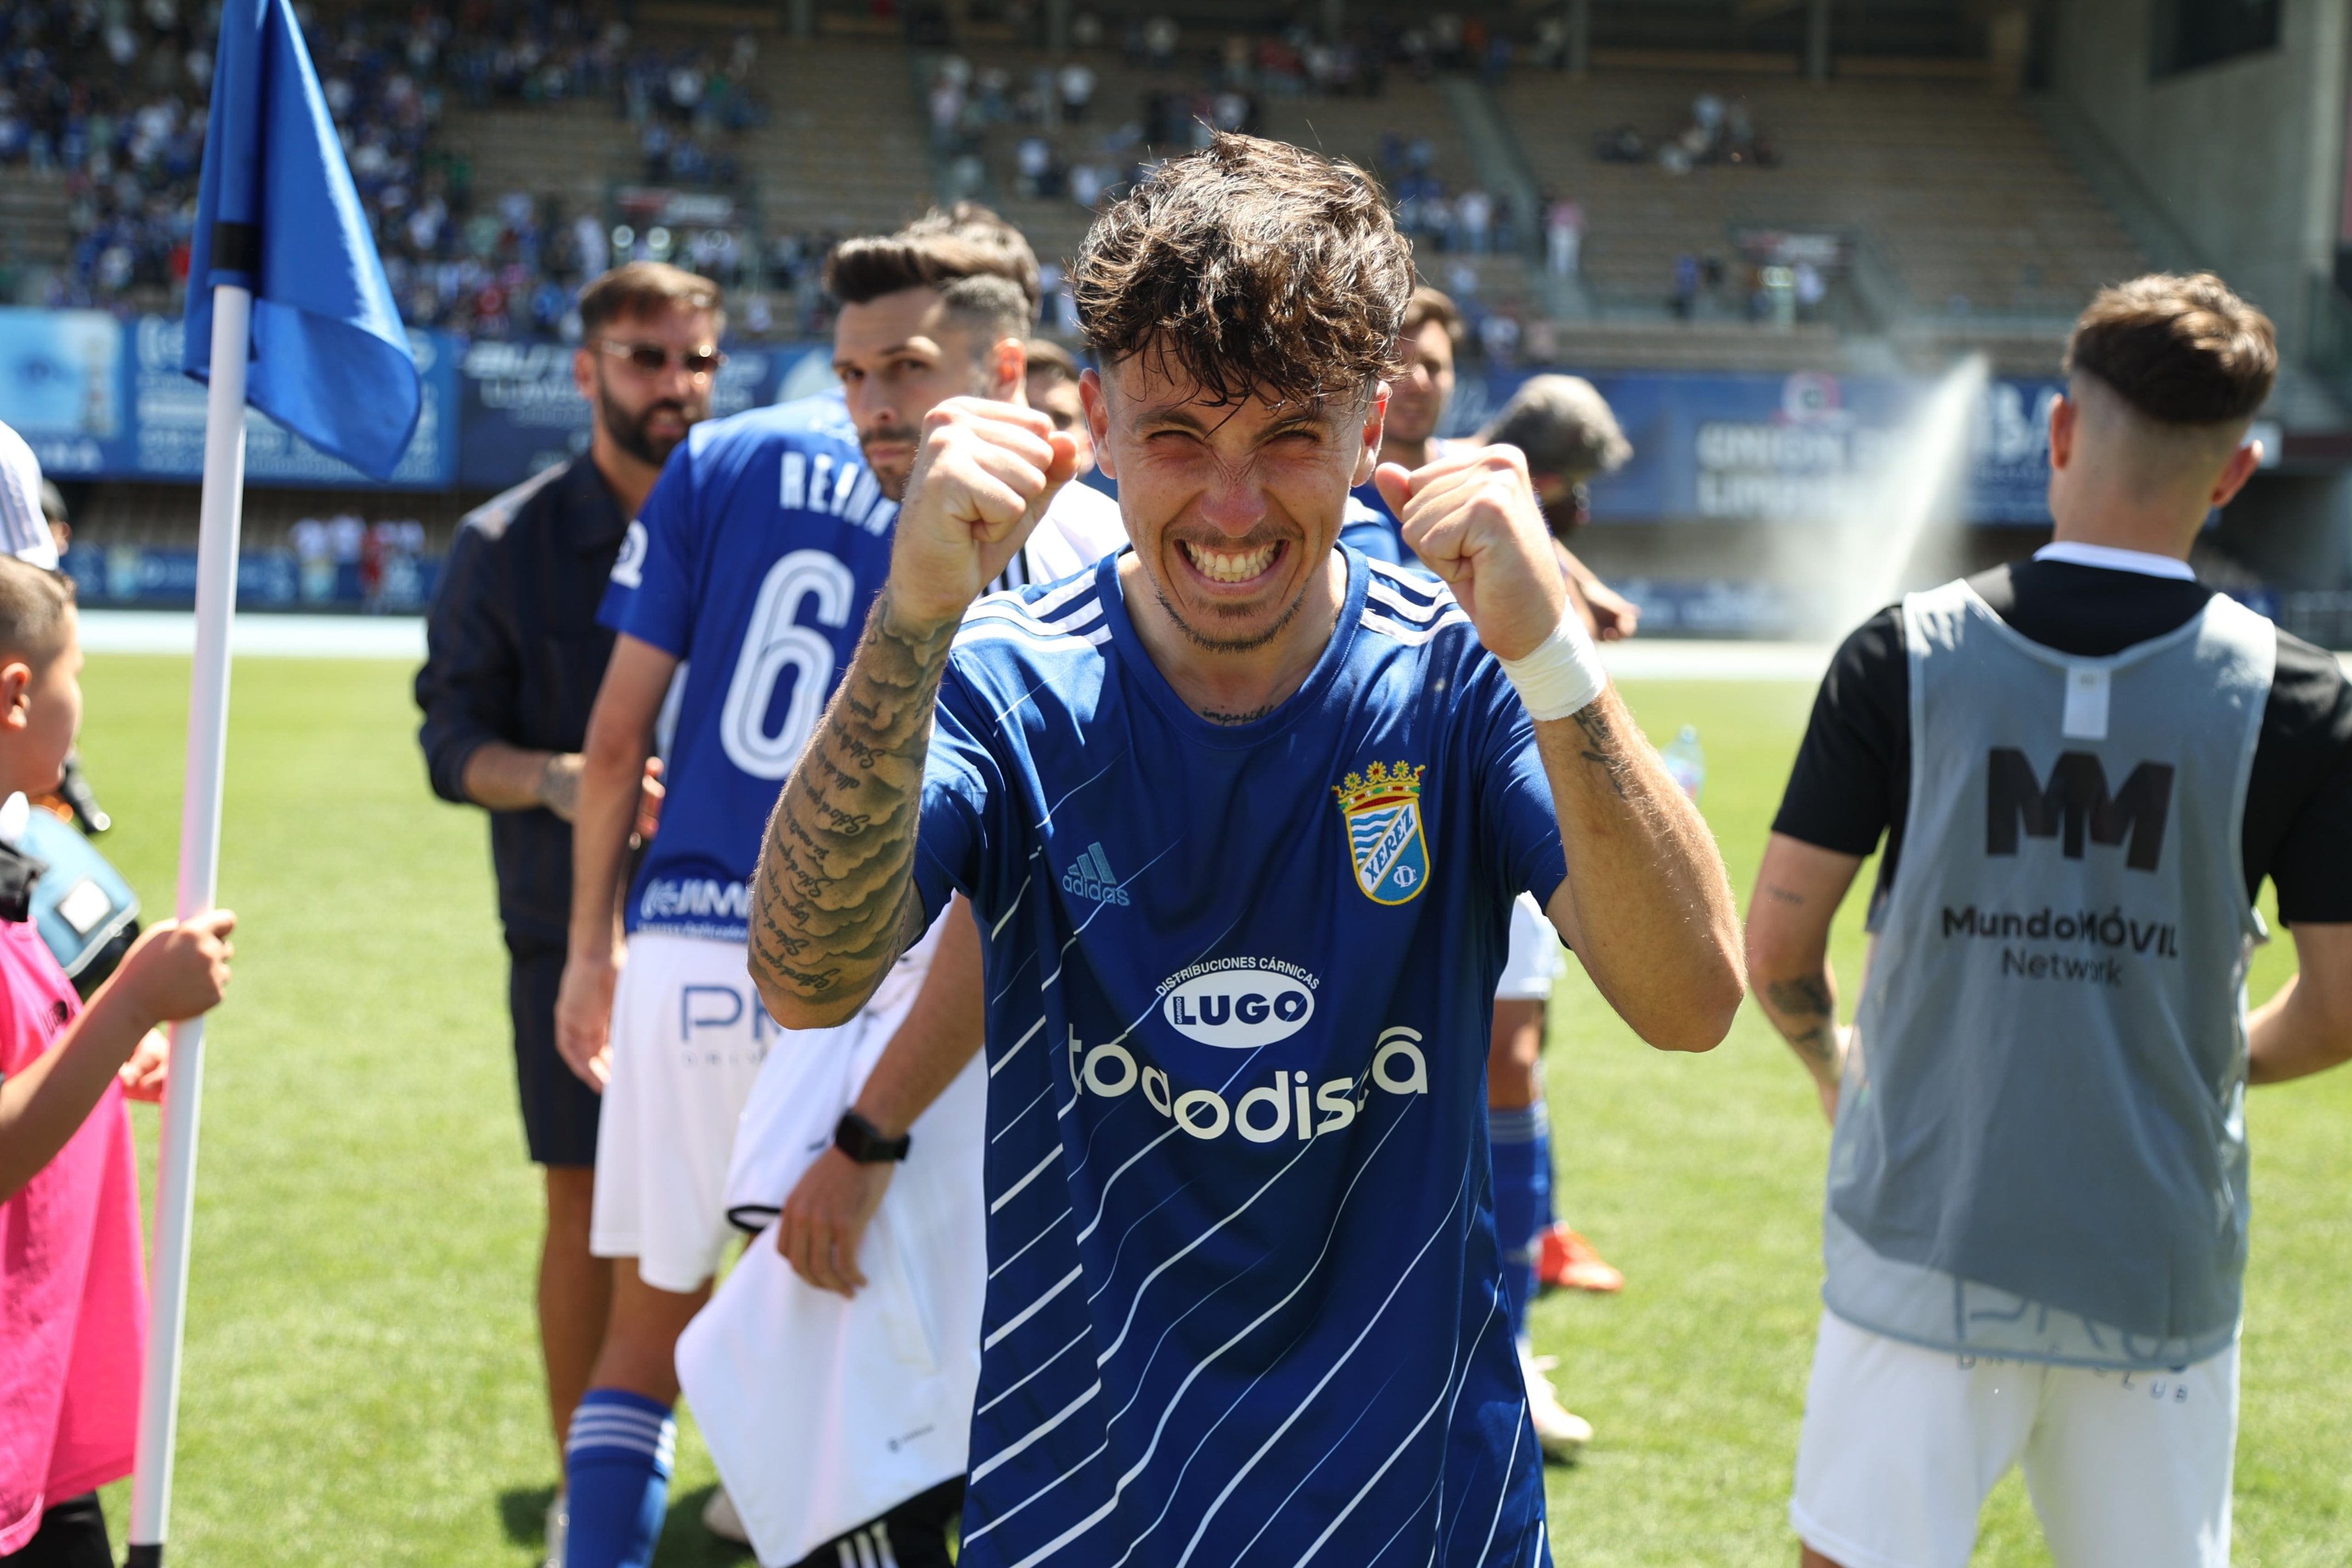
(746, 576)
(1242, 818)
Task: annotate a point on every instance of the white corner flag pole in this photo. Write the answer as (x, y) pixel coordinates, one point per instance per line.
(200, 819)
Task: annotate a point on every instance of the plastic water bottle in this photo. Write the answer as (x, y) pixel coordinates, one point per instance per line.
(1685, 762)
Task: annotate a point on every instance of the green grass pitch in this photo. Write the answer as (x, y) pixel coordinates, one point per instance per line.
(361, 1382)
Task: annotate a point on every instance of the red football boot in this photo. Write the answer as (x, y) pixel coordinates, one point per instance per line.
(1568, 1263)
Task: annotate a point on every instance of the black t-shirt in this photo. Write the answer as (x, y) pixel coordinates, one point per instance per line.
(1853, 777)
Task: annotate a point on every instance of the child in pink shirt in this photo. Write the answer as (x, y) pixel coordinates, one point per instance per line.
(73, 1311)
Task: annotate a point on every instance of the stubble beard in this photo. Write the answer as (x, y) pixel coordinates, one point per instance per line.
(628, 430)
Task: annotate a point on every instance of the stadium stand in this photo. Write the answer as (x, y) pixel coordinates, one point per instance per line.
(1969, 202)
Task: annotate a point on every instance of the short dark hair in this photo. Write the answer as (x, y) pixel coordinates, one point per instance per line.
(1050, 360)
(2180, 349)
(642, 288)
(1429, 305)
(1250, 268)
(980, 264)
(33, 605)
(1564, 425)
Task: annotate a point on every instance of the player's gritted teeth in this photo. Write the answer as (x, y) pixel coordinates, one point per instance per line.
(1230, 567)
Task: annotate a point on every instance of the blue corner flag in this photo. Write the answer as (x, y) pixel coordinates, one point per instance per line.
(277, 214)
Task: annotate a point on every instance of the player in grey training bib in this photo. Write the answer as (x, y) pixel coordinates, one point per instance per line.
(2084, 767)
(2041, 1144)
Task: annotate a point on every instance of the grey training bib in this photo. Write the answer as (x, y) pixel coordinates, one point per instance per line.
(2041, 1144)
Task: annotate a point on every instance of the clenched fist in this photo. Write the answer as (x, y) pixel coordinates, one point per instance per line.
(1473, 519)
(986, 472)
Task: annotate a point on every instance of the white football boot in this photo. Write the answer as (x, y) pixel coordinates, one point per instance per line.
(1560, 1430)
(719, 1517)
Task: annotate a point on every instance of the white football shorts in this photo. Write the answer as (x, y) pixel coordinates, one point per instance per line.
(1535, 958)
(689, 1035)
(1903, 1444)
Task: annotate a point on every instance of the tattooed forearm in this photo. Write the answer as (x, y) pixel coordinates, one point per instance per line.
(834, 900)
(1603, 747)
(1804, 1010)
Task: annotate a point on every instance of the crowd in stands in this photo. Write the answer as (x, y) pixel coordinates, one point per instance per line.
(1717, 132)
(117, 109)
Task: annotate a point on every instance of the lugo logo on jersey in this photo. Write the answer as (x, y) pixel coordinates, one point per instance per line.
(1239, 1006)
(1382, 808)
(2075, 801)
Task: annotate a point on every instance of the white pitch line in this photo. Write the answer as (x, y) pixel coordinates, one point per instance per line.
(258, 635)
(1711, 659)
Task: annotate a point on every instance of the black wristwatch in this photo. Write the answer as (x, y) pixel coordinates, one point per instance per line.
(862, 1141)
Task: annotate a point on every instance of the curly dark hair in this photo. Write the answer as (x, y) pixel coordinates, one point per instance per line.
(2180, 349)
(1252, 268)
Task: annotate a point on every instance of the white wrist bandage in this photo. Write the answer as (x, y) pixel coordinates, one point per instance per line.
(1561, 676)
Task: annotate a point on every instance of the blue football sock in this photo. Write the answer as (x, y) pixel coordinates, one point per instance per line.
(617, 1468)
(1522, 1155)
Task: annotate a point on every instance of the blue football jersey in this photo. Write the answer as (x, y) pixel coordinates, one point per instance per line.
(1245, 1304)
(755, 561)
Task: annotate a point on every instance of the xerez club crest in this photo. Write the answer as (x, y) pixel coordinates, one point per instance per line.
(1382, 808)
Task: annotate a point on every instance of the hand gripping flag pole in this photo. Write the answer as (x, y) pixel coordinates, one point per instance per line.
(289, 312)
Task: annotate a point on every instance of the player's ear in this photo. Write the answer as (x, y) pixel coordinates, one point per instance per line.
(2244, 461)
(1367, 451)
(15, 687)
(2065, 413)
(1097, 404)
(584, 372)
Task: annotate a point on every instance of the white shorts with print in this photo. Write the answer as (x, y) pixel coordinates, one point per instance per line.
(1902, 1446)
(688, 1036)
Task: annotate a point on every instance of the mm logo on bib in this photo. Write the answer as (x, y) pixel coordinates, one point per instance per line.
(1382, 808)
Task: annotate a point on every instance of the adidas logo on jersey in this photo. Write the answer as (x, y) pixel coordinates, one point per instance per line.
(1091, 878)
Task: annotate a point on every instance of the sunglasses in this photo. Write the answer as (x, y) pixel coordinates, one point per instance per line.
(652, 358)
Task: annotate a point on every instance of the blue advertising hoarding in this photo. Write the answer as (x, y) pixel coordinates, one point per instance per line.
(520, 411)
(1800, 447)
(101, 398)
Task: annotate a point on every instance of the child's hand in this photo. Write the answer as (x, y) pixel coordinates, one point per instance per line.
(178, 970)
(149, 1067)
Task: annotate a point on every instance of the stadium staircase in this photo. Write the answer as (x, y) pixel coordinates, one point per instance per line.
(36, 232)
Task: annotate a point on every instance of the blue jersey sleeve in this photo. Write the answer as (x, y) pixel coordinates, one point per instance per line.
(651, 596)
(963, 784)
(1521, 823)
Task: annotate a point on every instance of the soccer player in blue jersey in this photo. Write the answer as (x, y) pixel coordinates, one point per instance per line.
(746, 578)
(1242, 817)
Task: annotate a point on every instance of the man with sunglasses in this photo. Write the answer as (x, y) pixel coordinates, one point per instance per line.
(752, 570)
(513, 657)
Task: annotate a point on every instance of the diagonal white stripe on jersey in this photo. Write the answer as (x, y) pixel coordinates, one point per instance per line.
(1010, 1193)
(1025, 1378)
(1036, 1434)
(1013, 1121)
(998, 1065)
(998, 929)
(1031, 1311)
(1067, 1536)
(1051, 1226)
